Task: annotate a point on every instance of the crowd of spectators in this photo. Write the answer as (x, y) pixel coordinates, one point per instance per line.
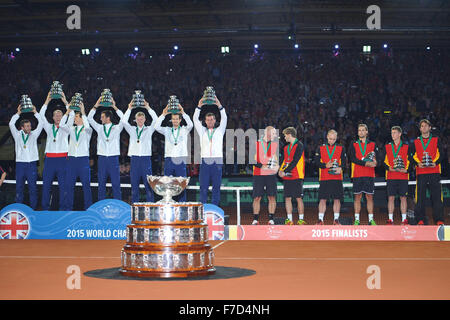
(312, 91)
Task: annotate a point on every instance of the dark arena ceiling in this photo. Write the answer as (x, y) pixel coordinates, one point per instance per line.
(208, 24)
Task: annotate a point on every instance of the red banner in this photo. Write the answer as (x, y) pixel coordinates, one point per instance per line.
(316, 232)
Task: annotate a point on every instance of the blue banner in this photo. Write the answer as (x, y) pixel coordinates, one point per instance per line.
(106, 219)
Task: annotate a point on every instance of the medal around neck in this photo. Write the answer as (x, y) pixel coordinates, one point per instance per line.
(167, 239)
(76, 101)
(106, 98)
(25, 104)
(56, 90)
(174, 105)
(138, 99)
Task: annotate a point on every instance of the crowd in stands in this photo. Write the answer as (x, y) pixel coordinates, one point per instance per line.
(312, 91)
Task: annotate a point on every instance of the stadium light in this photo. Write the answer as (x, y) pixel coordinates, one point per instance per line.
(256, 46)
(336, 46)
(85, 51)
(136, 48)
(296, 46)
(56, 49)
(175, 47)
(367, 49)
(385, 45)
(428, 48)
(225, 49)
(17, 49)
(97, 50)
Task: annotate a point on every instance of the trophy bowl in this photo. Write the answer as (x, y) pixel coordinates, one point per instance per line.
(167, 186)
(209, 96)
(25, 104)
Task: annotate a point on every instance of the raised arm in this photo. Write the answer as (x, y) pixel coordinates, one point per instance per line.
(67, 120)
(189, 124)
(12, 122)
(197, 123)
(40, 124)
(128, 127)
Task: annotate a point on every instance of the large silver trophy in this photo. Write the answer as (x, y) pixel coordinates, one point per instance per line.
(167, 239)
(25, 104)
(174, 105)
(426, 159)
(209, 96)
(56, 90)
(76, 101)
(138, 99)
(106, 98)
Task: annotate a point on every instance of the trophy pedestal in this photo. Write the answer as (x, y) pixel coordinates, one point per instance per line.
(167, 240)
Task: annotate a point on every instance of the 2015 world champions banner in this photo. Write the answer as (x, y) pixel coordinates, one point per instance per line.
(106, 220)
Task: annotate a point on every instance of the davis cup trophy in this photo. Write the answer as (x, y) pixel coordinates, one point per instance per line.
(76, 101)
(399, 164)
(106, 98)
(25, 104)
(174, 105)
(167, 239)
(334, 166)
(426, 159)
(370, 157)
(56, 90)
(138, 99)
(209, 95)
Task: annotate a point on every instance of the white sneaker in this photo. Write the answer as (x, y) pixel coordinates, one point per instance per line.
(255, 222)
(271, 222)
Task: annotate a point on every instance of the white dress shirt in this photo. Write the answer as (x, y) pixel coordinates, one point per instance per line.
(26, 152)
(211, 147)
(144, 146)
(107, 146)
(79, 148)
(180, 134)
(58, 143)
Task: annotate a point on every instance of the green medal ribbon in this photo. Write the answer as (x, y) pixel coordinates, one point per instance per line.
(365, 147)
(175, 139)
(25, 140)
(332, 153)
(266, 151)
(109, 131)
(55, 132)
(139, 134)
(423, 145)
(210, 136)
(398, 150)
(289, 148)
(77, 134)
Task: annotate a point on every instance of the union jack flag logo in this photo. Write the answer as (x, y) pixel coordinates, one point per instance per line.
(215, 223)
(14, 225)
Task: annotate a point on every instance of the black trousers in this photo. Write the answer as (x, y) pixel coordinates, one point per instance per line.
(433, 183)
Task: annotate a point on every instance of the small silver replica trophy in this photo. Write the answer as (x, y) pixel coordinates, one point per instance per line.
(76, 101)
(106, 98)
(272, 163)
(138, 99)
(174, 105)
(56, 90)
(426, 159)
(399, 164)
(334, 166)
(209, 96)
(25, 104)
(167, 239)
(370, 157)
